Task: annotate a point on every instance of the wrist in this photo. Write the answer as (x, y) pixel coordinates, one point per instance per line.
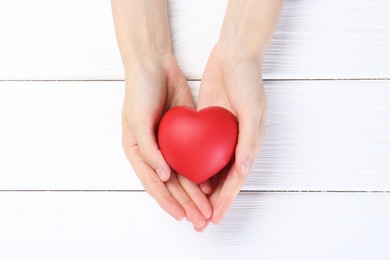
(142, 29)
(146, 45)
(240, 47)
(233, 52)
(150, 63)
(235, 38)
(248, 25)
(239, 31)
(145, 54)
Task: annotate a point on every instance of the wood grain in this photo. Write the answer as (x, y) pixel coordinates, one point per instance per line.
(43, 39)
(116, 225)
(321, 135)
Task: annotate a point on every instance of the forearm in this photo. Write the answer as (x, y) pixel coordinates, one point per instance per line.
(142, 29)
(249, 25)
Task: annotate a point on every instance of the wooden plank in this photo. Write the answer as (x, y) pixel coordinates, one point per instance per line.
(62, 135)
(321, 135)
(61, 39)
(115, 225)
(314, 39)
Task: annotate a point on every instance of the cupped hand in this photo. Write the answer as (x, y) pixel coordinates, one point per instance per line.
(154, 85)
(232, 79)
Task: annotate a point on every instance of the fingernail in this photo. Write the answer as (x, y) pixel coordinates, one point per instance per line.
(161, 174)
(207, 223)
(244, 169)
(208, 214)
(202, 228)
(179, 218)
(201, 223)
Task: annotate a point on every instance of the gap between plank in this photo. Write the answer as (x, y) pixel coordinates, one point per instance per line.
(120, 80)
(243, 191)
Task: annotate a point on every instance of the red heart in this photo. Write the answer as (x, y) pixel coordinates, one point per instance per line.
(198, 144)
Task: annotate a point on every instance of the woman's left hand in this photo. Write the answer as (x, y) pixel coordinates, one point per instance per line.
(232, 79)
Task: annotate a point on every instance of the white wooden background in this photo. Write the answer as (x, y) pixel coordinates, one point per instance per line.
(320, 188)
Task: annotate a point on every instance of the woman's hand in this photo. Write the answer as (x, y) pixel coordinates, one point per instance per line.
(152, 87)
(232, 79)
(154, 84)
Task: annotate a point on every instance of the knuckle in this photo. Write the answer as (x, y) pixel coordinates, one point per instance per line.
(150, 156)
(149, 187)
(187, 202)
(174, 184)
(145, 154)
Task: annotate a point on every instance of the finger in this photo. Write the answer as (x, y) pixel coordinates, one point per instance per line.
(214, 182)
(262, 124)
(206, 187)
(248, 139)
(225, 194)
(155, 187)
(192, 212)
(202, 228)
(149, 179)
(198, 197)
(181, 94)
(218, 182)
(145, 136)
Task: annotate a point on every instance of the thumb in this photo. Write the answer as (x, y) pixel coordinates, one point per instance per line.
(181, 95)
(248, 139)
(146, 139)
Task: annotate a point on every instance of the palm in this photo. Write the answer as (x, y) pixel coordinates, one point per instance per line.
(212, 91)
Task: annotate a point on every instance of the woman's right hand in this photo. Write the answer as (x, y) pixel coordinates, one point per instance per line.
(154, 84)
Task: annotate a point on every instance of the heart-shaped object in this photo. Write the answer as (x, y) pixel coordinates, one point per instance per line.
(198, 144)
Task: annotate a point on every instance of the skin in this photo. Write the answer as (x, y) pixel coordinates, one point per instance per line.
(154, 84)
(232, 79)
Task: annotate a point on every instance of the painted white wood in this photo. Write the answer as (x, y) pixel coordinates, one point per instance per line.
(321, 135)
(314, 39)
(112, 225)
(63, 135)
(61, 39)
